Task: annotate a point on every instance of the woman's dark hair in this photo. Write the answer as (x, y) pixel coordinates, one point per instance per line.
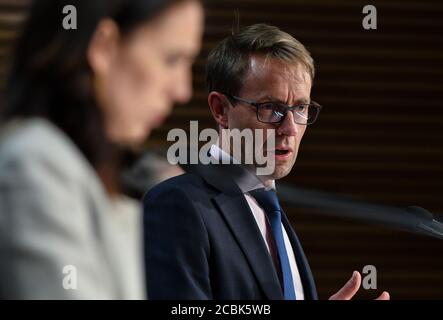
(50, 76)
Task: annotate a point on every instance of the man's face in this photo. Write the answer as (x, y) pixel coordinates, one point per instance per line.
(273, 80)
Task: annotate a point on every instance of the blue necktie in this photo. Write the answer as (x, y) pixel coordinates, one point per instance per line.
(269, 202)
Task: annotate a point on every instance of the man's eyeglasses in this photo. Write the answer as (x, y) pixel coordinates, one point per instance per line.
(275, 112)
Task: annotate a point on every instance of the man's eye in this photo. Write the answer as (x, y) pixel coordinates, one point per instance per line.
(302, 109)
(269, 106)
(274, 107)
(278, 113)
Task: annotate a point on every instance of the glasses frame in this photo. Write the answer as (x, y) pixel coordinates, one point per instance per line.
(258, 105)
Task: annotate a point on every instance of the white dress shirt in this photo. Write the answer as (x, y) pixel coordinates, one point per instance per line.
(252, 182)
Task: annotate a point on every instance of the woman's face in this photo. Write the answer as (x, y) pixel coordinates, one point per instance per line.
(140, 76)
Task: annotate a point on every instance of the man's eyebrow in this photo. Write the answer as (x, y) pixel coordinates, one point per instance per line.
(297, 102)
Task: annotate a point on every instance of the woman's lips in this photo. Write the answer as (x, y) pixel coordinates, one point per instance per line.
(158, 121)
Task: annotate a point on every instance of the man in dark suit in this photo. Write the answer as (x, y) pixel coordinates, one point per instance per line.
(218, 231)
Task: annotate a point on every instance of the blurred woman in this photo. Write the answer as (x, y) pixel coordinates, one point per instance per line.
(75, 100)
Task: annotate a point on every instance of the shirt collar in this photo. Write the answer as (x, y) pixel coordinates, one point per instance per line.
(246, 182)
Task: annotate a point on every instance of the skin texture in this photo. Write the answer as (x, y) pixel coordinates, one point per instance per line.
(139, 76)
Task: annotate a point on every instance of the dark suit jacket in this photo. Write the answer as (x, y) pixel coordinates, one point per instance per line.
(202, 241)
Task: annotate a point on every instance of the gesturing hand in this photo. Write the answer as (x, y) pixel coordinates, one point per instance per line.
(351, 288)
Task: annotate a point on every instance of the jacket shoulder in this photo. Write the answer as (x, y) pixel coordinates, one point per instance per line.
(36, 144)
(187, 183)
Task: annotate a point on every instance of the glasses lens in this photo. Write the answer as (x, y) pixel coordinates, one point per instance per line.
(275, 113)
(313, 112)
(271, 112)
(302, 114)
(306, 114)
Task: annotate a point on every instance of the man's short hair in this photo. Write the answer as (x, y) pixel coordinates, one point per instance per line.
(228, 62)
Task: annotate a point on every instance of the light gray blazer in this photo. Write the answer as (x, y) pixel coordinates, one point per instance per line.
(61, 235)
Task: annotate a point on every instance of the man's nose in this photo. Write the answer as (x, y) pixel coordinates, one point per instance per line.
(288, 127)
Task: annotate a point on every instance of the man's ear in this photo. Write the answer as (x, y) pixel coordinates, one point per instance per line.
(219, 105)
(103, 46)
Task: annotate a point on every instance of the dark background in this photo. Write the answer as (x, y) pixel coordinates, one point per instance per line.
(379, 136)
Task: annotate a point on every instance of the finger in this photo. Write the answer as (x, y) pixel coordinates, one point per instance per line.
(349, 289)
(384, 296)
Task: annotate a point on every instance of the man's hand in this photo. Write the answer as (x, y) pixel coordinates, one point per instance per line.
(351, 288)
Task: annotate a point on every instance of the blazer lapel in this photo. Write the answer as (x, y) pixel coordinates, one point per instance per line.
(235, 209)
(302, 263)
(244, 227)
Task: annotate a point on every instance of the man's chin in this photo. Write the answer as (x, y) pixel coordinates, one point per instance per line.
(280, 172)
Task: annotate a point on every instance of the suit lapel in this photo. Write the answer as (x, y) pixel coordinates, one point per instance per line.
(236, 211)
(302, 263)
(244, 227)
(237, 214)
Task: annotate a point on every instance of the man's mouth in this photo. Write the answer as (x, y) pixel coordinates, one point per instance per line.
(281, 151)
